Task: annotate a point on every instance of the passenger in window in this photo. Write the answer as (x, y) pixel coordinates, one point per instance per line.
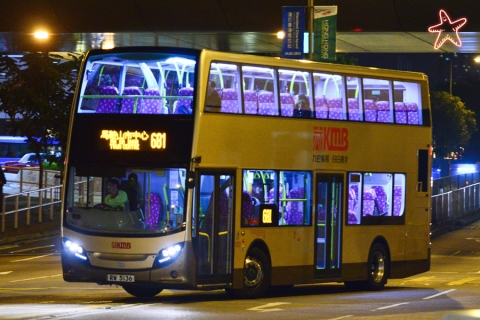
(115, 199)
(134, 193)
(302, 107)
(212, 101)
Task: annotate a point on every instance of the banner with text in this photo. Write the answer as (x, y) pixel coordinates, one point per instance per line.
(293, 24)
(325, 33)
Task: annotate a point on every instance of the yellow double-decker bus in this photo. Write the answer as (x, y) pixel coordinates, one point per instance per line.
(195, 169)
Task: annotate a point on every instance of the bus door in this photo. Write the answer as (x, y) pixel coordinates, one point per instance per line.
(329, 202)
(214, 235)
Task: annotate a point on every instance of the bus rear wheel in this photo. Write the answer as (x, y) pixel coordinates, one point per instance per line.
(377, 267)
(142, 291)
(257, 273)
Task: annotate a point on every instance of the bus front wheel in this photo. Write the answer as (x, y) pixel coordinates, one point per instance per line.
(142, 291)
(257, 274)
(377, 267)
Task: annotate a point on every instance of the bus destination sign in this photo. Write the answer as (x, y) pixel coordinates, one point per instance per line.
(134, 140)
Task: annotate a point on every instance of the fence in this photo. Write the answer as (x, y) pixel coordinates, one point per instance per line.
(28, 202)
(455, 199)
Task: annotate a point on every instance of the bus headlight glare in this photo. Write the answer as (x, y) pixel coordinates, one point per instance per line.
(168, 255)
(75, 249)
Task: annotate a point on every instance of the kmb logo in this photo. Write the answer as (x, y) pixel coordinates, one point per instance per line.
(121, 245)
(330, 139)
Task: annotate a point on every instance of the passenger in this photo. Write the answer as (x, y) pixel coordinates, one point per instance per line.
(212, 102)
(134, 192)
(302, 107)
(115, 198)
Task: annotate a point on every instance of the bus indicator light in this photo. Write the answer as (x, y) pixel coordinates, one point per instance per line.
(267, 216)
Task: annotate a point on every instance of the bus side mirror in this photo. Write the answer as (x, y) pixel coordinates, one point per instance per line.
(190, 179)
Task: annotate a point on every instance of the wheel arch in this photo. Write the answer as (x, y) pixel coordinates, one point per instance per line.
(260, 244)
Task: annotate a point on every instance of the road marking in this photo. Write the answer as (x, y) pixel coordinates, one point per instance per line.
(462, 281)
(439, 294)
(56, 275)
(476, 239)
(6, 272)
(269, 305)
(46, 255)
(420, 279)
(350, 315)
(30, 249)
(392, 306)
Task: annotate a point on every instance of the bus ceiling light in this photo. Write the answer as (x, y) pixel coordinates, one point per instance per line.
(180, 60)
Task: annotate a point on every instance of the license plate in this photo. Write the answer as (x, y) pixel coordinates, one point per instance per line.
(120, 277)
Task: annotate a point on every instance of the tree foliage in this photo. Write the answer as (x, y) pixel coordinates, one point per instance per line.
(37, 95)
(453, 123)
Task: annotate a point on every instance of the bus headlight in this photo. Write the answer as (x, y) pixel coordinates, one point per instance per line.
(75, 249)
(168, 255)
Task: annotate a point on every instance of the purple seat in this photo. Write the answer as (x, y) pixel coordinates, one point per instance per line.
(335, 109)
(184, 105)
(370, 110)
(400, 113)
(108, 105)
(271, 198)
(397, 201)
(352, 205)
(381, 199)
(134, 81)
(383, 111)
(131, 105)
(369, 198)
(286, 104)
(229, 102)
(153, 212)
(353, 109)
(412, 112)
(266, 103)
(294, 209)
(152, 106)
(321, 108)
(251, 104)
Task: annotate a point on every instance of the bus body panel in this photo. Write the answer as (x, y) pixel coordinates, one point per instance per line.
(238, 144)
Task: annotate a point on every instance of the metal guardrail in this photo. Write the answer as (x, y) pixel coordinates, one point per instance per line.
(28, 200)
(455, 199)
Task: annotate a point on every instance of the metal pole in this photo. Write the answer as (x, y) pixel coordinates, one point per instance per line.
(451, 67)
(310, 8)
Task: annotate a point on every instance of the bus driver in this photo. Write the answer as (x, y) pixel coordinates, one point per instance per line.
(115, 198)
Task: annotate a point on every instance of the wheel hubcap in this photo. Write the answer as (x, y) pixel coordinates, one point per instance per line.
(253, 272)
(378, 267)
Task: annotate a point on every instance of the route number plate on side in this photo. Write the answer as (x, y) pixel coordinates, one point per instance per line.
(120, 277)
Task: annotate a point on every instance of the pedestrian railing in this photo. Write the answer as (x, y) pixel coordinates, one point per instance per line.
(452, 206)
(29, 201)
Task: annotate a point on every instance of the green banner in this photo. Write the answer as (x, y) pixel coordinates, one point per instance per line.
(325, 33)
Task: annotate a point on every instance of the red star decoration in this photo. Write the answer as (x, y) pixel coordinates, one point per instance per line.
(446, 25)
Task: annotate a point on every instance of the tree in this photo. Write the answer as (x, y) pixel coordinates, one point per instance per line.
(37, 96)
(453, 123)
